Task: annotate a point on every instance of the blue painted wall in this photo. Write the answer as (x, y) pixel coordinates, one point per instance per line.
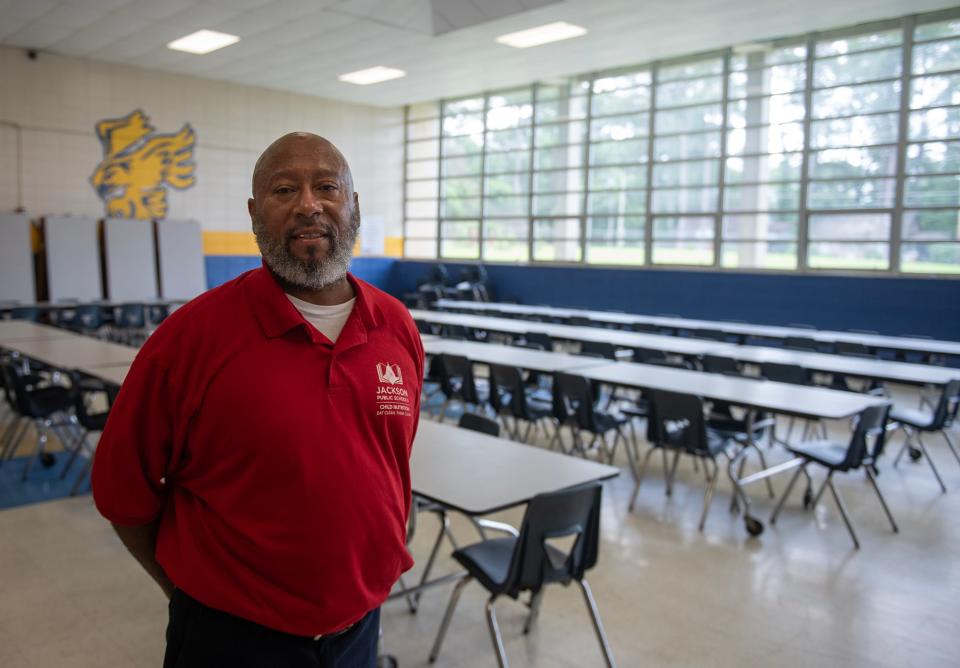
(923, 306)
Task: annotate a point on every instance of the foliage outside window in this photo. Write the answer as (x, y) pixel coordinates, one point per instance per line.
(837, 151)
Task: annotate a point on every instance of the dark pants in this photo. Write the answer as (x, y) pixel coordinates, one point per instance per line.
(202, 637)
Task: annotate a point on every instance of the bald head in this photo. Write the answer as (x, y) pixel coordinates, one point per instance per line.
(297, 144)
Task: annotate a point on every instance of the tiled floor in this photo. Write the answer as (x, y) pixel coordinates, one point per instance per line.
(799, 595)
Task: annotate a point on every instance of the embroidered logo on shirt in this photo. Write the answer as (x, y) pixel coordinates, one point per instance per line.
(392, 398)
(389, 373)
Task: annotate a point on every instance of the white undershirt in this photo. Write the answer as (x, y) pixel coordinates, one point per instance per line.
(329, 320)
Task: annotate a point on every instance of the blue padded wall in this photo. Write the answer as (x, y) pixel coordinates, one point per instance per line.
(896, 305)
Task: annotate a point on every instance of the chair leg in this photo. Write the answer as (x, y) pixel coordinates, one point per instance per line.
(39, 449)
(671, 473)
(535, 604)
(843, 510)
(643, 469)
(495, 636)
(526, 433)
(786, 493)
(73, 455)
(16, 438)
(444, 527)
(763, 465)
(12, 437)
(708, 495)
(946, 437)
(933, 467)
(83, 476)
(908, 438)
(451, 606)
(883, 502)
(597, 624)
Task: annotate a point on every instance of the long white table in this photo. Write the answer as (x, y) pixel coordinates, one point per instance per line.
(742, 329)
(751, 393)
(12, 331)
(522, 358)
(478, 474)
(877, 369)
(73, 352)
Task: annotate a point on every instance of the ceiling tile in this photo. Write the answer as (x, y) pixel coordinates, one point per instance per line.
(36, 35)
(28, 9)
(152, 9)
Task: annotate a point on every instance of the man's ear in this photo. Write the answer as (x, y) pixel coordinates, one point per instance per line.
(356, 201)
(251, 206)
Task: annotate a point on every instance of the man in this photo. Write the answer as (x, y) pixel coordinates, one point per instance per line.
(256, 461)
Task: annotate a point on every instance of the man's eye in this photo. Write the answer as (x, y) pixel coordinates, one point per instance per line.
(283, 190)
(328, 187)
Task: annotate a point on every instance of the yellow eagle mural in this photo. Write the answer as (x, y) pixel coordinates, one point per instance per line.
(138, 162)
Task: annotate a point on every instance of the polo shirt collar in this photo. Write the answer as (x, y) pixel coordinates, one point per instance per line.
(276, 315)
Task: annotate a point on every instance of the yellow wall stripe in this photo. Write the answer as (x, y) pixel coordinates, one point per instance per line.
(229, 243)
(393, 246)
(244, 243)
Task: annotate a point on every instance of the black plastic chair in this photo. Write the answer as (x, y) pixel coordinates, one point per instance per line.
(843, 458)
(31, 313)
(479, 423)
(914, 422)
(513, 565)
(457, 382)
(801, 343)
(47, 408)
(573, 406)
(645, 328)
(540, 339)
(644, 355)
(852, 348)
(130, 321)
(510, 398)
(785, 373)
(89, 319)
(794, 375)
(157, 313)
(601, 349)
(677, 423)
(84, 391)
(719, 364)
(709, 334)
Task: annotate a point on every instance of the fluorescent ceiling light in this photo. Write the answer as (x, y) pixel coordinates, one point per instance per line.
(372, 75)
(203, 41)
(552, 32)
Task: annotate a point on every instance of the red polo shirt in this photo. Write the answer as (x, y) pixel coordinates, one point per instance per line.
(277, 461)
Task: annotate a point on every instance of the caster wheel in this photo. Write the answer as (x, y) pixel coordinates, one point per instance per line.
(47, 460)
(808, 499)
(915, 454)
(754, 526)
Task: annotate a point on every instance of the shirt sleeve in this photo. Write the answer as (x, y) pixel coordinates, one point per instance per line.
(136, 449)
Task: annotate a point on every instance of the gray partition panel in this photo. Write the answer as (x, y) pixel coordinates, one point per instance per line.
(180, 253)
(73, 259)
(16, 259)
(130, 258)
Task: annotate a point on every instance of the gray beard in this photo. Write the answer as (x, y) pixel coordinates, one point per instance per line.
(317, 273)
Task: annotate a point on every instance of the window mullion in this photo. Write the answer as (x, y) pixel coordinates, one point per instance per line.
(651, 140)
(803, 217)
(903, 130)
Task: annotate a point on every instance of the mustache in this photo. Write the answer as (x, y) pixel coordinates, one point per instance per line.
(313, 227)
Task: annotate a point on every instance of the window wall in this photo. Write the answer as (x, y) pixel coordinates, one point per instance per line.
(831, 152)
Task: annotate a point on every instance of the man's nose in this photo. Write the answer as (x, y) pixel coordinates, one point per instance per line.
(308, 204)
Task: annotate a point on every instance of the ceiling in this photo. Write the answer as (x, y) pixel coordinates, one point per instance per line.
(447, 47)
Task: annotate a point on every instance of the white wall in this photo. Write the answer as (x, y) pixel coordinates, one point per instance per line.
(58, 101)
